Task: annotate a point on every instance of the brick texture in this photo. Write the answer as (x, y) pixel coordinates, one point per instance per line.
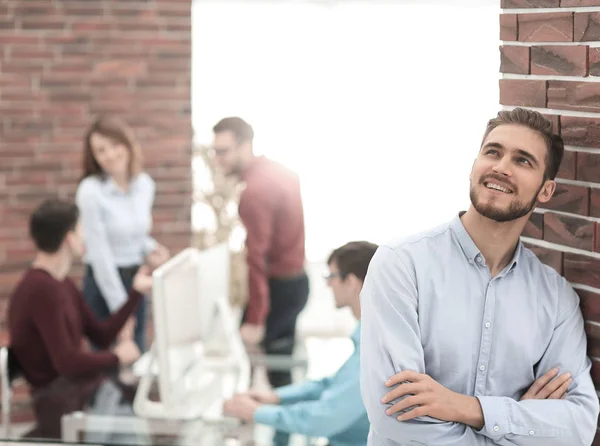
(545, 27)
(588, 167)
(559, 60)
(514, 59)
(577, 96)
(568, 166)
(530, 93)
(530, 3)
(577, 3)
(586, 27)
(583, 132)
(562, 49)
(594, 61)
(508, 27)
(61, 65)
(570, 198)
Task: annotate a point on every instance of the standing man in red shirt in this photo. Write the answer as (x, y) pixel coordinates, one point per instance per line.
(271, 210)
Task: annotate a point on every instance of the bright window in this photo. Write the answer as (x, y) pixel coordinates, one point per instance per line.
(379, 106)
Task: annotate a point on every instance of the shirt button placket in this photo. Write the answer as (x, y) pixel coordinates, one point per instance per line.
(486, 339)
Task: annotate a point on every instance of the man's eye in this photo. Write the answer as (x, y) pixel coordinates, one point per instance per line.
(524, 161)
(492, 152)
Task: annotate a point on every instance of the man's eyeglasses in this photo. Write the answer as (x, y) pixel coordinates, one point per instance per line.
(220, 151)
(328, 275)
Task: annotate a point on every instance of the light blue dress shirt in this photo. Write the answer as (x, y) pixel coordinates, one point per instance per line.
(116, 227)
(429, 304)
(330, 408)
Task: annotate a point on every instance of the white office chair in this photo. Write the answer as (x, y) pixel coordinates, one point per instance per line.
(10, 369)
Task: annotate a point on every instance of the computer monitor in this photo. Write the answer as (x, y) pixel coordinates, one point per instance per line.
(190, 311)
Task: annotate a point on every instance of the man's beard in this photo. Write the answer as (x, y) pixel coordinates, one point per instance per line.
(517, 209)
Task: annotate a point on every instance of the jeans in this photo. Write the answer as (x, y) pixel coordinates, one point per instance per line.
(287, 298)
(97, 303)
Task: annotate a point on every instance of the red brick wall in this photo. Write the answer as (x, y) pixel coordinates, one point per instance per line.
(550, 60)
(62, 63)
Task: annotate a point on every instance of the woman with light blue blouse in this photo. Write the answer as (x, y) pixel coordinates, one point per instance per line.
(115, 199)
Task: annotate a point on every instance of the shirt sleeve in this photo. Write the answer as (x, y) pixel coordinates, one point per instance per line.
(103, 333)
(568, 422)
(256, 209)
(390, 343)
(306, 391)
(66, 356)
(339, 407)
(98, 249)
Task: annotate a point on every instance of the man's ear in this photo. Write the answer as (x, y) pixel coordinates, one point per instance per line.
(354, 280)
(547, 191)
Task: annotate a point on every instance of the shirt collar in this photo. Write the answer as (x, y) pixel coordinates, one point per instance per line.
(112, 187)
(465, 241)
(470, 249)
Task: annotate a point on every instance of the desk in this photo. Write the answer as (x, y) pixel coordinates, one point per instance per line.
(86, 428)
(98, 410)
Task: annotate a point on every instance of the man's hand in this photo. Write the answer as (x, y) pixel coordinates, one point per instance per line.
(242, 407)
(127, 352)
(547, 387)
(157, 257)
(252, 334)
(427, 397)
(142, 282)
(264, 397)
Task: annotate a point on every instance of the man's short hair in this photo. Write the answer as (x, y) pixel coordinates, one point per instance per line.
(537, 122)
(50, 223)
(353, 258)
(242, 131)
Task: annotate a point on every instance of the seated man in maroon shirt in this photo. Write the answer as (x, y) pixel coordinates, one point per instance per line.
(47, 316)
(271, 210)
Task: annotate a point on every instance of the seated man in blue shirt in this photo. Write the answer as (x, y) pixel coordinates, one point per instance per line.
(331, 407)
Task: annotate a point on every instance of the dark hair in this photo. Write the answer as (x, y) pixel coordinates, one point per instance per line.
(535, 121)
(242, 131)
(118, 131)
(353, 258)
(50, 222)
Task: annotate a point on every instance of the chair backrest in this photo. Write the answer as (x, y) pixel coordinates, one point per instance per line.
(14, 368)
(10, 369)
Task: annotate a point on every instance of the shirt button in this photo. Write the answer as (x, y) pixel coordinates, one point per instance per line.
(470, 261)
(488, 325)
(482, 368)
(496, 428)
(531, 432)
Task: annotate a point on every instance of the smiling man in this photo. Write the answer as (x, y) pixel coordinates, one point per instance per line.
(462, 324)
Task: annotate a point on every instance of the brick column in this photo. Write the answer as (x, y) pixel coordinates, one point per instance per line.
(62, 63)
(550, 60)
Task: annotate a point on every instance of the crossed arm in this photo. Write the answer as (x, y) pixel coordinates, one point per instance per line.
(442, 417)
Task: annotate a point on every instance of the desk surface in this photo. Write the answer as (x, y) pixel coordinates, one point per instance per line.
(98, 410)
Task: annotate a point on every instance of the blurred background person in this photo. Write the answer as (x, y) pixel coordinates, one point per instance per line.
(271, 210)
(331, 407)
(47, 316)
(115, 198)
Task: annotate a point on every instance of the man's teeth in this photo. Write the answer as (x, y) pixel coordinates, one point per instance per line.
(498, 187)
